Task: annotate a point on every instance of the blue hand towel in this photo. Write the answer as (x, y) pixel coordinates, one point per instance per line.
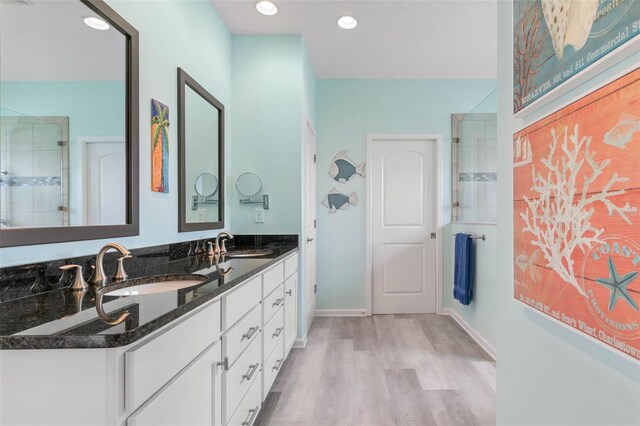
(464, 265)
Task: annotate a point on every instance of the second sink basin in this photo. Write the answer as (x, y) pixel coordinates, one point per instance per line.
(152, 285)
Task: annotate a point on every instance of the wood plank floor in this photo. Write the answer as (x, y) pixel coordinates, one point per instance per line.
(384, 370)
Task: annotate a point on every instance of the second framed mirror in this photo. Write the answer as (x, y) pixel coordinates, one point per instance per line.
(201, 157)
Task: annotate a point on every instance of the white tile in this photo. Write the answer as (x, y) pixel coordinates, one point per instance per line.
(46, 163)
(21, 219)
(492, 215)
(20, 163)
(46, 198)
(491, 194)
(466, 194)
(19, 137)
(3, 160)
(479, 189)
(47, 219)
(491, 158)
(466, 160)
(46, 136)
(19, 199)
(3, 199)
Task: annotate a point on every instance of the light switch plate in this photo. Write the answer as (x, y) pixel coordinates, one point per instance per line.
(258, 215)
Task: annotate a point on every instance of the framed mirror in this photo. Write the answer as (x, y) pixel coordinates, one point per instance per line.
(68, 123)
(201, 157)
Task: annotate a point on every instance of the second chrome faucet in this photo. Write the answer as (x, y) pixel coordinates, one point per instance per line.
(99, 278)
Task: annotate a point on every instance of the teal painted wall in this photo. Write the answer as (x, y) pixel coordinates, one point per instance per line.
(267, 92)
(547, 374)
(81, 101)
(173, 33)
(346, 111)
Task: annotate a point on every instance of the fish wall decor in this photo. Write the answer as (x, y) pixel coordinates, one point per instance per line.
(335, 200)
(343, 169)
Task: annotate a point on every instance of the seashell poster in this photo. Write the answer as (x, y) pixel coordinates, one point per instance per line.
(553, 40)
(577, 215)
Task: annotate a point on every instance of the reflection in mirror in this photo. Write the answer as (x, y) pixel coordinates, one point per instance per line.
(64, 119)
(201, 139)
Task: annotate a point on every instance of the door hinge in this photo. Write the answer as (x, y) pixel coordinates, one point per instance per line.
(315, 158)
(433, 235)
(455, 140)
(315, 223)
(315, 288)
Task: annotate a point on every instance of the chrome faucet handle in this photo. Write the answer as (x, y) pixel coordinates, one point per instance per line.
(79, 284)
(120, 274)
(221, 237)
(223, 248)
(99, 278)
(212, 251)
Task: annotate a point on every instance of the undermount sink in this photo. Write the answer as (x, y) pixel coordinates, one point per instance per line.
(248, 253)
(152, 285)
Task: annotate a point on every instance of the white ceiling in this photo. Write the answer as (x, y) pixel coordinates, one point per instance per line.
(394, 39)
(47, 40)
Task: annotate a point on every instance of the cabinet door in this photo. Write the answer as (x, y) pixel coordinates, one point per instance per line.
(190, 398)
(290, 312)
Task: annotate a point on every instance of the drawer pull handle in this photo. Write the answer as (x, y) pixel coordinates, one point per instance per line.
(278, 364)
(289, 292)
(277, 333)
(277, 302)
(252, 370)
(250, 333)
(252, 414)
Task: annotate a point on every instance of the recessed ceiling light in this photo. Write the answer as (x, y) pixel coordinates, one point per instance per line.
(266, 8)
(347, 22)
(96, 23)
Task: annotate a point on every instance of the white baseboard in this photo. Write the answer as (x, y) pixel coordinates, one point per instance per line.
(340, 312)
(488, 347)
(300, 342)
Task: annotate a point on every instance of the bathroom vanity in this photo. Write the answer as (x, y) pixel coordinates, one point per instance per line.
(206, 354)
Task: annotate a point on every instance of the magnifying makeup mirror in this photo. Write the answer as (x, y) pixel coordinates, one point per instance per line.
(249, 187)
(206, 185)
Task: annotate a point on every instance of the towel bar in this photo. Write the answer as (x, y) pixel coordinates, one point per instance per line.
(476, 237)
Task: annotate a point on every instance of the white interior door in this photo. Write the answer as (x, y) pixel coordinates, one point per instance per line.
(310, 224)
(403, 216)
(105, 183)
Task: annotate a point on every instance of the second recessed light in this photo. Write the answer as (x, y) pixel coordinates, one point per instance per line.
(266, 8)
(347, 22)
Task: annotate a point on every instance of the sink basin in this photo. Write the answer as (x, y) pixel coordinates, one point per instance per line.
(249, 253)
(152, 285)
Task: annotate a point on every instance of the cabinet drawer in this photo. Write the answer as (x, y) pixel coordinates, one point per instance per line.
(272, 279)
(186, 399)
(272, 332)
(242, 334)
(290, 265)
(240, 301)
(248, 409)
(238, 379)
(272, 303)
(272, 366)
(151, 364)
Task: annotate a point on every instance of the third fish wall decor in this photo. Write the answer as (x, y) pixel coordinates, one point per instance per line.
(343, 169)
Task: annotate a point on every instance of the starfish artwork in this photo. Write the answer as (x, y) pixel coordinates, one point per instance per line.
(617, 285)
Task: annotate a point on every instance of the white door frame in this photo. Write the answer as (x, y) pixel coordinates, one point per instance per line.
(81, 178)
(368, 275)
(309, 321)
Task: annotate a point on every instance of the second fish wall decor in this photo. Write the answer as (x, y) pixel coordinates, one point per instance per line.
(159, 147)
(335, 200)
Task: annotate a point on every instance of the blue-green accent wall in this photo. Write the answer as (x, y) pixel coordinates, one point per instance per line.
(346, 111)
(548, 374)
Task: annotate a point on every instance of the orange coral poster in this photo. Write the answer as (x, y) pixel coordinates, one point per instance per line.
(576, 215)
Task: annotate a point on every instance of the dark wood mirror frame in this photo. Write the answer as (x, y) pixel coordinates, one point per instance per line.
(185, 80)
(30, 236)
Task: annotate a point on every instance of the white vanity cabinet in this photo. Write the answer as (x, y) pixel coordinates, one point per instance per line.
(213, 366)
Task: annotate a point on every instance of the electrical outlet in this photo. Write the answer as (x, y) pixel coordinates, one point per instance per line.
(258, 215)
(200, 216)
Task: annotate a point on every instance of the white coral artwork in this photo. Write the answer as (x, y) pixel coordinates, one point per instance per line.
(560, 216)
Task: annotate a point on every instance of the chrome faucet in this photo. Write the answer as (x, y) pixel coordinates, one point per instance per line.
(99, 278)
(218, 249)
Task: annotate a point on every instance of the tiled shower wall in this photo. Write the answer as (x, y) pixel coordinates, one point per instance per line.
(474, 177)
(34, 171)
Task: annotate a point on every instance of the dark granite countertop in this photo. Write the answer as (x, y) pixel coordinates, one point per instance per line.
(64, 319)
